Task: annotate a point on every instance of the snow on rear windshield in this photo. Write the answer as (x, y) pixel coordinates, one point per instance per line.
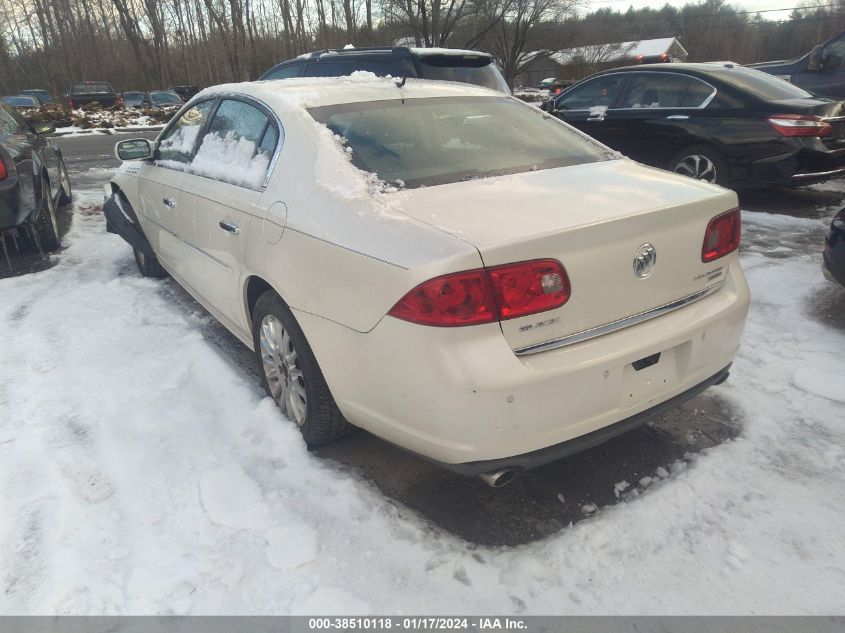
(433, 141)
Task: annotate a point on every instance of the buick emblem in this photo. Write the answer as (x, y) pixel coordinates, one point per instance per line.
(644, 261)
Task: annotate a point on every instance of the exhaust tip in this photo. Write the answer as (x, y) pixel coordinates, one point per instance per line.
(499, 478)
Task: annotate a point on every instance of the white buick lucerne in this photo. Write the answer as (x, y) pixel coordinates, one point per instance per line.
(442, 265)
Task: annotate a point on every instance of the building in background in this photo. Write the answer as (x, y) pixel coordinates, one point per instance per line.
(571, 64)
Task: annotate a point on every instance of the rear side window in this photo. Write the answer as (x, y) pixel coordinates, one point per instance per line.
(664, 90)
(237, 147)
(177, 144)
(285, 72)
(380, 68)
(327, 69)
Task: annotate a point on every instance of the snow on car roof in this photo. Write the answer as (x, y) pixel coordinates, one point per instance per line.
(311, 92)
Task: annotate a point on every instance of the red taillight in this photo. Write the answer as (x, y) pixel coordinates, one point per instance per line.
(800, 125)
(529, 287)
(722, 236)
(486, 295)
(3, 173)
(459, 299)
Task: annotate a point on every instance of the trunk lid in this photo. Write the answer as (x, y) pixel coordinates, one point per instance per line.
(593, 218)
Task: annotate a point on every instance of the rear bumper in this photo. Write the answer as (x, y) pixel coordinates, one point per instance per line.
(806, 166)
(461, 396)
(538, 458)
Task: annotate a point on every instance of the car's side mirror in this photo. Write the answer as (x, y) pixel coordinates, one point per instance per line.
(134, 149)
(43, 127)
(548, 106)
(815, 62)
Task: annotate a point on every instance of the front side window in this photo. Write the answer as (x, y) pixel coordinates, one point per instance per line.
(237, 146)
(178, 143)
(598, 92)
(664, 90)
(421, 142)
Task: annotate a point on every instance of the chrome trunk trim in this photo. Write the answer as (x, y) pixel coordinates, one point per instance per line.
(614, 326)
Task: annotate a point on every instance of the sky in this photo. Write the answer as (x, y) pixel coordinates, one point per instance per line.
(746, 5)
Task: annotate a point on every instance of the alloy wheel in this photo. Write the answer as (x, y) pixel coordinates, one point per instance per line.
(281, 368)
(47, 196)
(64, 179)
(697, 166)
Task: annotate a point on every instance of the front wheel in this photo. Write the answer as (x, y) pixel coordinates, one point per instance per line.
(46, 224)
(291, 375)
(66, 196)
(148, 265)
(702, 163)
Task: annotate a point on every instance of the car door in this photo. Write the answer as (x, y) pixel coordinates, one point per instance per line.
(656, 109)
(161, 181)
(588, 106)
(221, 196)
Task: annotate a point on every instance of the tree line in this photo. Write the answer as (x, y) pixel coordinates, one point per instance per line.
(147, 44)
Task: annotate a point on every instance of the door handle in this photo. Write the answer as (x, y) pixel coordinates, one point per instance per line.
(597, 117)
(169, 202)
(228, 226)
(677, 117)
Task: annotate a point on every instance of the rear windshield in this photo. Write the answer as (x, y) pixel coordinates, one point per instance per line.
(469, 70)
(133, 95)
(762, 85)
(21, 101)
(165, 97)
(41, 95)
(90, 89)
(421, 142)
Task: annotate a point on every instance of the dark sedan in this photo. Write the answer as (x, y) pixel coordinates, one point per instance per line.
(33, 179)
(164, 99)
(136, 99)
(834, 250)
(22, 102)
(718, 122)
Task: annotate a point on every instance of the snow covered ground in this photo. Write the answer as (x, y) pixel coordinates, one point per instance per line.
(142, 471)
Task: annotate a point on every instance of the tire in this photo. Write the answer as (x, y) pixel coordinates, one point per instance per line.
(701, 162)
(148, 265)
(290, 373)
(66, 196)
(46, 224)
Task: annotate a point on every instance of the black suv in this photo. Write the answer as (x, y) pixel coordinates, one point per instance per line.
(447, 64)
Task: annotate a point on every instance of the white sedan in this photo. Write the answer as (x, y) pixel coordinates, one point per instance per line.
(442, 265)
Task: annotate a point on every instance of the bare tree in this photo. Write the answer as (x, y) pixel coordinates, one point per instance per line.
(510, 37)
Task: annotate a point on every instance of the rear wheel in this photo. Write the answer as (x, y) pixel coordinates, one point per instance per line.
(291, 375)
(702, 163)
(46, 225)
(148, 265)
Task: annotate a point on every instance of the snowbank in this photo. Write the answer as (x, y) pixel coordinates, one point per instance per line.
(142, 471)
